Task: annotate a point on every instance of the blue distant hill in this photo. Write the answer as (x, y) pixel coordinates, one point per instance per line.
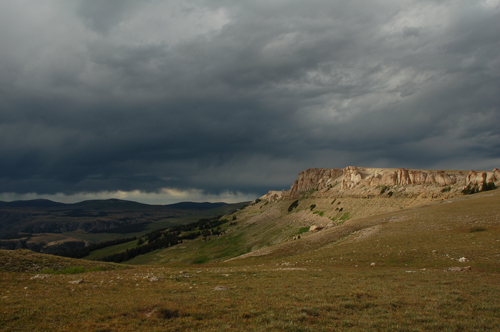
(112, 203)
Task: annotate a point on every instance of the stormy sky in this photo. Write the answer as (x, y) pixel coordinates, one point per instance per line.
(217, 100)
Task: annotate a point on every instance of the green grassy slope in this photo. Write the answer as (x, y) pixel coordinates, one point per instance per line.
(221, 210)
(98, 254)
(436, 234)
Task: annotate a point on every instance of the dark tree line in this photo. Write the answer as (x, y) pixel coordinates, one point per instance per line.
(85, 251)
(165, 241)
(205, 223)
(170, 237)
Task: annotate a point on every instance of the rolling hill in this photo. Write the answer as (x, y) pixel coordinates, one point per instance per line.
(49, 227)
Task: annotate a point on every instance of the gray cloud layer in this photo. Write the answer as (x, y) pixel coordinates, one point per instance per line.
(217, 95)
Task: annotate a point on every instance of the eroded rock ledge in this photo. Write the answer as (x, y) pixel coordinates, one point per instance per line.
(358, 181)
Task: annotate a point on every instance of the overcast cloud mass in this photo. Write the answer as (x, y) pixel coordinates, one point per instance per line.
(165, 101)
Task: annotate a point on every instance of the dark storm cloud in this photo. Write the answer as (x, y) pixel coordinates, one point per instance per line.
(216, 95)
(101, 16)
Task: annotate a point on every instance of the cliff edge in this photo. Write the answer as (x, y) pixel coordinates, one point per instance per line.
(368, 182)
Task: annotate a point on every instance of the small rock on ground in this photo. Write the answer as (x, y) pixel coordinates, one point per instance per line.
(458, 269)
(75, 282)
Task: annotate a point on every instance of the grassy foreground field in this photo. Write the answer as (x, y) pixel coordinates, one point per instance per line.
(427, 268)
(258, 296)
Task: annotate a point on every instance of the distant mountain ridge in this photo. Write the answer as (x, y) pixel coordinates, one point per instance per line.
(108, 203)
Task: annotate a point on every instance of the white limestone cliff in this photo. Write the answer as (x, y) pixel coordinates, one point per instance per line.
(359, 181)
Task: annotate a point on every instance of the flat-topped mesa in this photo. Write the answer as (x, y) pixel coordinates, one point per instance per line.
(368, 181)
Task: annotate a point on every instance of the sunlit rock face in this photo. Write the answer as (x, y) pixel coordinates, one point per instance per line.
(354, 176)
(315, 179)
(359, 181)
(480, 180)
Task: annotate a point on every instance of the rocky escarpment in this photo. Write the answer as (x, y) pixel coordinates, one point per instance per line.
(481, 181)
(353, 176)
(358, 181)
(315, 179)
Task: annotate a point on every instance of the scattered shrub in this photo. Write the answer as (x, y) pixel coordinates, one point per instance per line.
(345, 216)
(312, 206)
(293, 206)
(477, 229)
(311, 312)
(446, 189)
(201, 260)
(168, 313)
(257, 201)
(303, 230)
(489, 186)
(469, 190)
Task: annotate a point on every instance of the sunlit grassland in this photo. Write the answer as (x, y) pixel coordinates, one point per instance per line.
(436, 235)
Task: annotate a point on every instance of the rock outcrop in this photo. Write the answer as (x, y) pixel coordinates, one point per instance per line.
(375, 181)
(354, 176)
(273, 196)
(481, 178)
(315, 179)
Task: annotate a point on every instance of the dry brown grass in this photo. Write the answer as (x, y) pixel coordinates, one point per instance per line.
(265, 296)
